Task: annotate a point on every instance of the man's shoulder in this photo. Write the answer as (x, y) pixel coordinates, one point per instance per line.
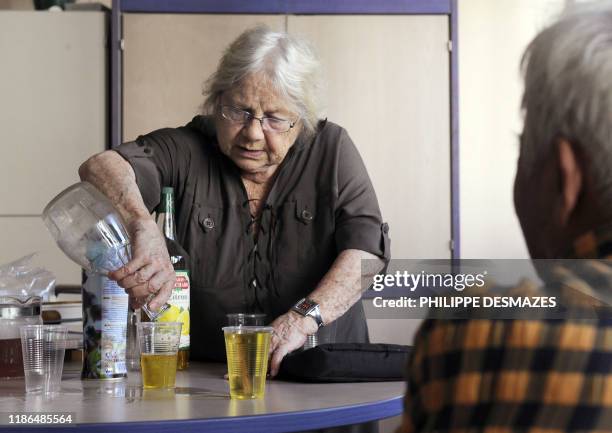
(453, 335)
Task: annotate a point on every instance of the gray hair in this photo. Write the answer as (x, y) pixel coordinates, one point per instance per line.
(568, 91)
(289, 62)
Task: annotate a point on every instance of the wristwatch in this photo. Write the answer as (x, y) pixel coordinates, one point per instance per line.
(309, 308)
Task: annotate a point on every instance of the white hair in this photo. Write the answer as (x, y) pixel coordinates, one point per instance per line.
(287, 61)
(568, 91)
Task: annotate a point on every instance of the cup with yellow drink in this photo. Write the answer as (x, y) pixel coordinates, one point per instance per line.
(159, 343)
(247, 360)
(177, 313)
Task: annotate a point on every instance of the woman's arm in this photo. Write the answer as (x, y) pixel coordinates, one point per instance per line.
(115, 178)
(150, 270)
(337, 291)
(341, 287)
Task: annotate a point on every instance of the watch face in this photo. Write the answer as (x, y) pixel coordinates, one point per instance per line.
(306, 305)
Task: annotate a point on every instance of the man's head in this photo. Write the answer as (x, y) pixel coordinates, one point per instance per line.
(563, 185)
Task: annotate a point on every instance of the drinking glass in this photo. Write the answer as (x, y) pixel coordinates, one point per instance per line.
(247, 360)
(246, 319)
(132, 349)
(159, 344)
(43, 348)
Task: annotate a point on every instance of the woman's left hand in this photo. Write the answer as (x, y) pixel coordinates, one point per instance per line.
(290, 332)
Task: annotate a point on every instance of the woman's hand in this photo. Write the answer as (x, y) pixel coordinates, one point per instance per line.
(290, 332)
(149, 271)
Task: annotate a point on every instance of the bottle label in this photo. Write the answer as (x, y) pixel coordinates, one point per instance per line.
(105, 306)
(114, 327)
(179, 306)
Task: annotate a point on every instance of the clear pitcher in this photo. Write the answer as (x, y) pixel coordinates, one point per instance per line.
(90, 231)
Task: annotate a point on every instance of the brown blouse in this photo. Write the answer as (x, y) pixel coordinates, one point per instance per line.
(322, 202)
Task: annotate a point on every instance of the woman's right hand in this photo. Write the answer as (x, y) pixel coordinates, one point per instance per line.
(149, 271)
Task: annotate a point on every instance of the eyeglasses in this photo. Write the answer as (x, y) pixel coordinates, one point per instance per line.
(242, 117)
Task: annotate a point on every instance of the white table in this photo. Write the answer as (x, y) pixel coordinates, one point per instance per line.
(200, 403)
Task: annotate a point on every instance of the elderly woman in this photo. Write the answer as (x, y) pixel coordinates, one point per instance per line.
(274, 207)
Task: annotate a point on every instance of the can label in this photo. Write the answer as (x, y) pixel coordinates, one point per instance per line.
(179, 306)
(105, 307)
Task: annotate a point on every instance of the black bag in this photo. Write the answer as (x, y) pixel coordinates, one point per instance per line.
(346, 362)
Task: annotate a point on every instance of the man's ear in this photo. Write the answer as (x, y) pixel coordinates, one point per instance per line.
(571, 179)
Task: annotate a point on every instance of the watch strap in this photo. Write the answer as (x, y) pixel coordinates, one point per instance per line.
(308, 308)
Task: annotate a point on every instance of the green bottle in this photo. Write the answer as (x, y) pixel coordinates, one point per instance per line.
(179, 300)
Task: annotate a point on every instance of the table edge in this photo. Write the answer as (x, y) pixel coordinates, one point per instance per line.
(266, 423)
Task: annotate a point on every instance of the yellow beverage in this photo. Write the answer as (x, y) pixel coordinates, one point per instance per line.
(158, 370)
(175, 314)
(247, 362)
(182, 361)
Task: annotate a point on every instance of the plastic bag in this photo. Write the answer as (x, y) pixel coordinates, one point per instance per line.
(21, 280)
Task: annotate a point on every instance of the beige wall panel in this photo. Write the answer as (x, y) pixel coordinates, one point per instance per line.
(17, 4)
(394, 327)
(389, 87)
(492, 38)
(29, 4)
(393, 331)
(167, 58)
(20, 236)
(53, 103)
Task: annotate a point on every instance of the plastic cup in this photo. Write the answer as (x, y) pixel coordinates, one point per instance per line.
(132, 349)
(43, 348)
(247, 360)
(246, 319)
(159, 344)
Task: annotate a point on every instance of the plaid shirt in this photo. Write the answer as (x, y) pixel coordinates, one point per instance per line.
(506, 376)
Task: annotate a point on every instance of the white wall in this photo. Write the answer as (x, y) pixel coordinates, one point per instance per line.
(54, 72)
(492, 37)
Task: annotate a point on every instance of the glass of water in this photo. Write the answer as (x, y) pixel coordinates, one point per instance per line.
(43, 348)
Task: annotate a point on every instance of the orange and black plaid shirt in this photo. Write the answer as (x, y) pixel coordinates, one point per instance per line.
(507, 376)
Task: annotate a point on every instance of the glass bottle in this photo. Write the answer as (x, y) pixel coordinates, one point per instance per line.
(179, 300)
